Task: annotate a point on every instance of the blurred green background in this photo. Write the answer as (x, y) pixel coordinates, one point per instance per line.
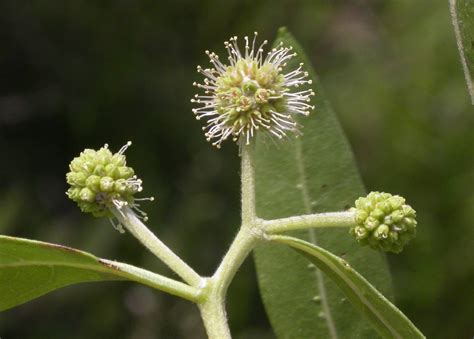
(77, 74)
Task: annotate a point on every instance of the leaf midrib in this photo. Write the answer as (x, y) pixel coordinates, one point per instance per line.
(364, 300)
(312, 237)
(459, 41)
(361, 296)
(91, 267)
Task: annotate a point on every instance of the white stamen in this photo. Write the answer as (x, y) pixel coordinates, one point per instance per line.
(124, 147)
(232, 111)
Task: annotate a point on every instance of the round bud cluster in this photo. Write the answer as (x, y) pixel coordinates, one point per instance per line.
(100, 180)
(246, 91)
(252, 92)
(384, 222)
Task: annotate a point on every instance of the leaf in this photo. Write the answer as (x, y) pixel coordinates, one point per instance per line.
(389, 321)
(30, 269)
(314, 173)
(462, 16)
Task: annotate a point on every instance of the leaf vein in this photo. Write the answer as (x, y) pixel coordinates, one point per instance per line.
(303, 184)
(457, 33)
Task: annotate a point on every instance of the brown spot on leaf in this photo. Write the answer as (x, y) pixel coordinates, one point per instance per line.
(108, 264)
(62, 247)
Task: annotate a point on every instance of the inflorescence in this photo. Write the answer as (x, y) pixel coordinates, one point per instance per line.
(101, 181)
(384, 222)
(252, 93)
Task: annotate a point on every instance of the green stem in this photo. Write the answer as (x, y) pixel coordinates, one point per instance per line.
(248, 184)
(213, 308)
(154, 280)
(242, 245)
(133, 224)
(214, 315)
(332, 219)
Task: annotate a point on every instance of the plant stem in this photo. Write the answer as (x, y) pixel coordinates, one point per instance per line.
(213, 308)
(154, 280)
(210, 293)
(133, 224)
(214, 315)
(248, 184)
(242, 245)
(332, 219)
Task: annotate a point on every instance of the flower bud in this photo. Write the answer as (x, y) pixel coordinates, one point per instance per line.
(384, 222)
(253, 92)
(101, 180)
(106, 184)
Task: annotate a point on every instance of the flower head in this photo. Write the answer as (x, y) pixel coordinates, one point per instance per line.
(251, 93)
(101, 180)
(384, 222)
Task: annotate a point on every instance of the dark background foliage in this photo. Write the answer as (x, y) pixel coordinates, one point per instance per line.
(77, 74)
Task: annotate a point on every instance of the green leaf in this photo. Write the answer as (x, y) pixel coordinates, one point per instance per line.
(30, 269)
(314, 173)
(462, 15)
(388, 320)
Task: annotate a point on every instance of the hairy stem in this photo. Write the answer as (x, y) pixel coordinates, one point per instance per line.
(248, 184)
(154, 280)
(213, 308)
(210, 293)
(332, 219)
(133, 224)
(214, 315)
(242, 245)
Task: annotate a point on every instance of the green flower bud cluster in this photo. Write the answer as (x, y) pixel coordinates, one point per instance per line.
(243, 92)
(384, 222)
(253, 92)
(100, 180)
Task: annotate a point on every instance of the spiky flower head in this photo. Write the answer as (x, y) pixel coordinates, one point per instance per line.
(252, 92)
(101, 180)
(384, 222)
